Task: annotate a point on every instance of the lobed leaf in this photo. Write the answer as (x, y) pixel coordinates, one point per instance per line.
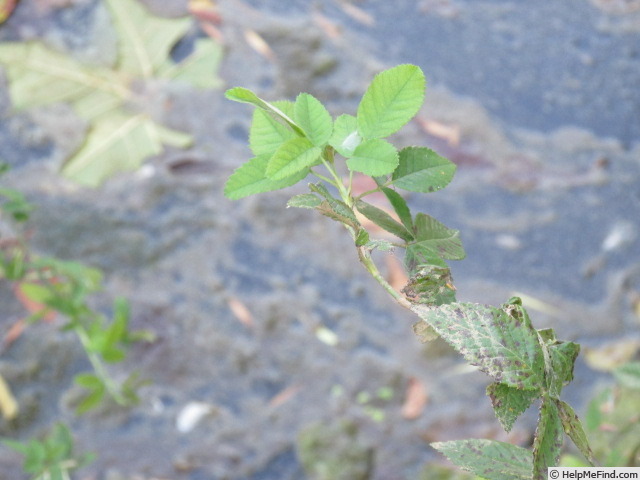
(509, 402)
(384, 220)
(313, 118)
(420, 169)
(573, 428)
(374, 157)
(345, 137)
(489, 458)
(499, 341)
(251, 178)
(391, 100)
(266, 133)
(548, 439)
(293, 156)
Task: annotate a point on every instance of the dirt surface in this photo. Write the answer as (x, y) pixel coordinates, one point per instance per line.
(541, 118)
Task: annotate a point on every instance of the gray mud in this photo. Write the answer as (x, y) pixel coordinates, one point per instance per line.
(541, 105)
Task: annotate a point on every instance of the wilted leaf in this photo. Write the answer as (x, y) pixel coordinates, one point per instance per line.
(304, 200)
(509, 402)
(431, 285)
(422, 170)
(489, 458)
(392, 99)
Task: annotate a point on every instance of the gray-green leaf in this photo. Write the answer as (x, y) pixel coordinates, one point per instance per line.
(548, 439)
(509, 402)
(391, 100)
(313, 118)
(573, 428)
(489, 458)
(374, 157)
(422, 170)
(384, 220)
(304, 200)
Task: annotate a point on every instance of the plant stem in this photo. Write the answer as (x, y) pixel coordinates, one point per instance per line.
(365, 258)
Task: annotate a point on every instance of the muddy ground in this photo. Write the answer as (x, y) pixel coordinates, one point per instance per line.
(538, 106)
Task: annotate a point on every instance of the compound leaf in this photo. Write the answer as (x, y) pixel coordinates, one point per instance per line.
(384, 220)
(266, 133)
(345, 137)
(548, 439)
(573, 428)
(374, 157)
(422, 170)
(509, 402)
(313, 118)
(144, 41)
(489, 458)
(499, 341)
(251, 178)
(391, 100)
(292, 157)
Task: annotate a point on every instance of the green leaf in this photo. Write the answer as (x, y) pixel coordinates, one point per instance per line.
(489, 458)
(293, 156)
(548, 439)
(36, 292)
(433, 241)
(144, 41)
(334, 208)
(384, 220)
(118, 143)
(509, 402)
(88, 380)
(573, 428)
(251, 178)
(313, 118)
(391, 100)
(381, 245)
(304, 200)
(628, 375)
(431, 285)
(400, 206)
(422, 170)
(362, 237)
(374, 157)
(562, 356)
(345, 137)
(244, 95)
(500, 341)
(199, 68)
(266, 133)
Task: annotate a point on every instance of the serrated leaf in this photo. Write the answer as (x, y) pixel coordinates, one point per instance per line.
(144, 41)
(499, 341)
(244, 95)
(374, 157)
(562, 356)
(391, 100)
(548, 439)
(384, 220)
(39, 75)
(199, 68)
(304, 200)
(250, 178)
(489, 458)
(422, 170)
(334, 208)
(118, 143)
(628, 375)
(345, 137)
(573, 428)
(433, 241)
(266, 133)
(431, 285)
(509, 402)
(313, 118)
(293, 156)
(400, 206)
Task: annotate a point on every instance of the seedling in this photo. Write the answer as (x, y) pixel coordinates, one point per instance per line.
(293, 140)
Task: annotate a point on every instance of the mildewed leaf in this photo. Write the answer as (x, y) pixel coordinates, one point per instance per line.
(119, 143)
(251, 178)
(562, 357)
(144, 41)
(313, 118)
(384, 220)
(374, 157)
(422, 170)
(431, 285)
(489, 458)
(292, 157)
(500, 341)
(345, 137)
(509, 402)
(391, 100)
(573, 428)
(548, 439)
(244, 95)
(266, 133)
